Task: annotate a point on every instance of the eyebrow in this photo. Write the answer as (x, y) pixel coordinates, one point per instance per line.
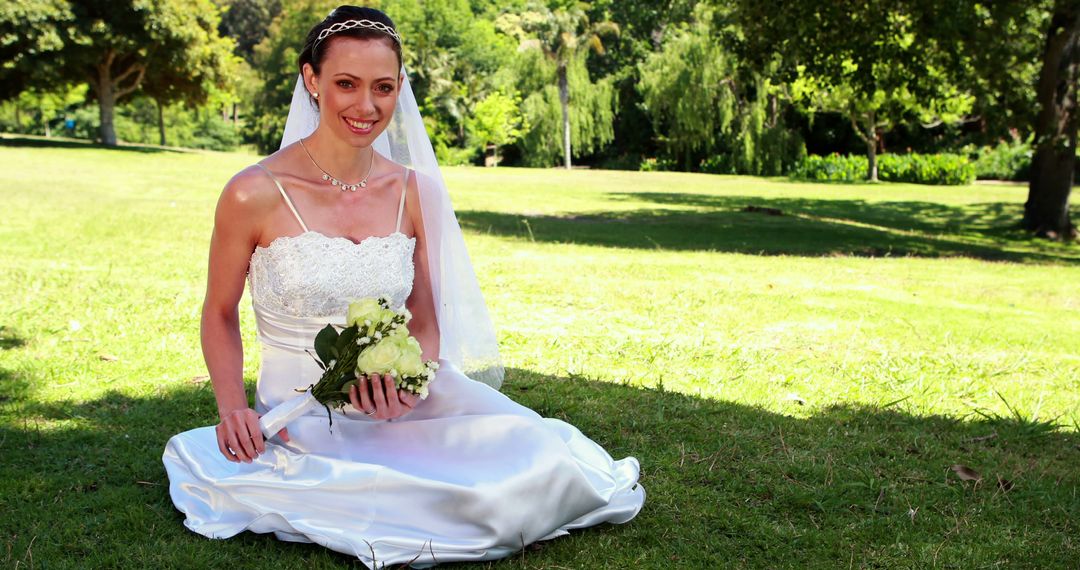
(355, 77)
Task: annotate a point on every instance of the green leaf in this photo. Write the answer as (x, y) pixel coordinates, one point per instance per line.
(324, 343)
(347, 337)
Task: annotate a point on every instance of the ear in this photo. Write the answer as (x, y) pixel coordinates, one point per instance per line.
(311, 81)
(401, 79)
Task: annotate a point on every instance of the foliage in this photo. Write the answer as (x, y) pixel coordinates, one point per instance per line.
(591, 114)
(454, 60)
(170, 48)
(565, 37)
(276, 67)
(937, 169)
(30, 32)
(652, 164)
(688, 89)
(497, 120)
(1007, 160)
(37, 111)
(247, 22)
(865, 60)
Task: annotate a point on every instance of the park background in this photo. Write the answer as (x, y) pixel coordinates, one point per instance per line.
(810, 263)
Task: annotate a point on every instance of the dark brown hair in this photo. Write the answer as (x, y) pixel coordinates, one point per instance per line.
(314, 54)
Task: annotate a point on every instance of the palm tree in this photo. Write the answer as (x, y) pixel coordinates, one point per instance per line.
(559, 34)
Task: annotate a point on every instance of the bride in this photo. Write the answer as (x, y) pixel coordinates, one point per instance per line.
(353, 205)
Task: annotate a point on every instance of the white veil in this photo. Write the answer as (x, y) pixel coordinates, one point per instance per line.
(466, 335)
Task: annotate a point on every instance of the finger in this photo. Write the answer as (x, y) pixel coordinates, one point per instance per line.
(284, 435)
(354, 398)
(244, 439)
(256, 433)
(366, 405)
(379, 396)
(237, 449)
(408, 398)
(224, 448)
(393, 403)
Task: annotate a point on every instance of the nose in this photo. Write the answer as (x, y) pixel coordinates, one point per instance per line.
(365, 104)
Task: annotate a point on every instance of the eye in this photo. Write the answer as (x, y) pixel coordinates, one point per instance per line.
(347, 83)
(386, 88)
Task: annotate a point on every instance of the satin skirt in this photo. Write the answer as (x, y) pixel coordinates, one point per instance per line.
(467, 475)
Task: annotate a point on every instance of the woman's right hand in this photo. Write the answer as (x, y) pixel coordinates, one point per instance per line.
(239, 437)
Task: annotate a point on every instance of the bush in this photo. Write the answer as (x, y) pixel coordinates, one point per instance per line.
(656, 165)
(832, 168)
(939, 169)
(1008, 160)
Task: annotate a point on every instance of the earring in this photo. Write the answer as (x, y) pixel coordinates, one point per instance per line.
(316, 95)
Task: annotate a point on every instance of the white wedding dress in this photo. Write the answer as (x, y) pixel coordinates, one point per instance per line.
(467, 475)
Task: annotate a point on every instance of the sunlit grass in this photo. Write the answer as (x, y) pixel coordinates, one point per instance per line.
(796, 386)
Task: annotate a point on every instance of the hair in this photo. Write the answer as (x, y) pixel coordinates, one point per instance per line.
(314, 55)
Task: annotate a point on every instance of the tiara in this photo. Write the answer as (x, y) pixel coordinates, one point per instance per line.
(350, 24)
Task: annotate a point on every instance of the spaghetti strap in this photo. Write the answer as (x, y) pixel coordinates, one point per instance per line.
(401, 204)
(288, 202)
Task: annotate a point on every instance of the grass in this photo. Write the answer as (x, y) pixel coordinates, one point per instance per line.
(797, 387)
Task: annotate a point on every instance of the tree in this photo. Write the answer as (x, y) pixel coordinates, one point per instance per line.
(687, 88)
(560, 34)
(110, 45)
(29, 33)
(247, 23)
(497, 120)
(863, 59)
(1046, 211)
(192, 78)
(1004, 49)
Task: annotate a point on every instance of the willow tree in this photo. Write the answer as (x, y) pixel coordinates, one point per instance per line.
(564, 36)
(688, 89)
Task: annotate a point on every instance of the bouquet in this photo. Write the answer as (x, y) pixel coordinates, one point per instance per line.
(375, 340)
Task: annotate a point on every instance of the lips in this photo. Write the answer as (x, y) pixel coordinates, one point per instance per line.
(359, 127)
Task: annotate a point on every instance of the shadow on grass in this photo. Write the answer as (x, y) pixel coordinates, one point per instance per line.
(804, 226)
(63, 142)
(727, 483)
(10, 339)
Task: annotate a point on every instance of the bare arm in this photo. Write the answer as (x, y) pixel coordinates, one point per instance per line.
(237, 220)
(421, 303)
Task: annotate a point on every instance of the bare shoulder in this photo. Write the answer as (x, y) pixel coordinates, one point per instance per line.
(249, 193)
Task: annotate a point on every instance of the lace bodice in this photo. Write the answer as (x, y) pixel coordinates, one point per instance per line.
(314, 275)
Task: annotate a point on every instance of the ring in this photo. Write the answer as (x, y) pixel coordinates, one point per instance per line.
(371, 413)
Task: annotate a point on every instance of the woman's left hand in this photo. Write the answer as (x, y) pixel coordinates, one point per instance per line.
(380, 399)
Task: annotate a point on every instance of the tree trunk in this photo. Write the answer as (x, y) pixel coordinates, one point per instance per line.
(160, 122)
(871, 160)
(18, 118)
(564, 101)
(1046, 212)
(106, 105)
(234, 115)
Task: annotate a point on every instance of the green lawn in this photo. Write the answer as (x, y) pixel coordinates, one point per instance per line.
(795, 386)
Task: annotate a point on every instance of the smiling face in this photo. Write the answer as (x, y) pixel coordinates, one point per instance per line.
(358, 87)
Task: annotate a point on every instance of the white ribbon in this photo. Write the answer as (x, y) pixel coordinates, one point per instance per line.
(280, 415)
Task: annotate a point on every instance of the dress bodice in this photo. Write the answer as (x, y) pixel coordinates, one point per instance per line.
(314, 275)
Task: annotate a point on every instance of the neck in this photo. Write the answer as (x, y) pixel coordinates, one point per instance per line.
(340, 160)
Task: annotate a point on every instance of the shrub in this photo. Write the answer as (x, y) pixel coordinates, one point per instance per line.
(656, 164)
(939, 169)
(1008, 160)
(832, 168)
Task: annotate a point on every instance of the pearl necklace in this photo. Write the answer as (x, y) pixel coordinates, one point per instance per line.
(334, 181)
